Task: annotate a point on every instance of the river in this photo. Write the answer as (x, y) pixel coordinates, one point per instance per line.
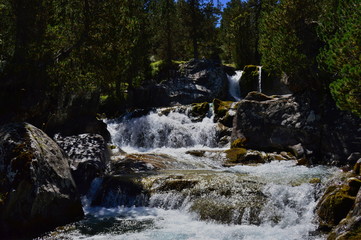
(194, 195)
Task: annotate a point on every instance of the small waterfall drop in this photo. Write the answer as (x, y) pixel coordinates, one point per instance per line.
(260, 79)
(233, 85)
(159, 129)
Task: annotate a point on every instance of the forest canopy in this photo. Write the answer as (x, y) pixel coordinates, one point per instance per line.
(56, 48)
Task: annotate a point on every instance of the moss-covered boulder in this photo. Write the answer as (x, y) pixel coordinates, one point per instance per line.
(244, 156)
(357, 167)
(334, 205)
(199, 110)
(238, 143)
(236, 155)
(37, 190)
(249, 80)
(257, 96)
(350, 227)
(224, 112)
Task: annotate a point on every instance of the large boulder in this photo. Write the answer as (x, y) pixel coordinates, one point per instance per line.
(89, 157)
(196, 81)
(350, 227)
(308, 124)
(37, 190)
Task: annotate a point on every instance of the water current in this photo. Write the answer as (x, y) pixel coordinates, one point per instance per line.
(195, 197)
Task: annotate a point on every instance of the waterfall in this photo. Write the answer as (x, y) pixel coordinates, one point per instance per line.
(233, 85)
(260, 79)
(175, 129)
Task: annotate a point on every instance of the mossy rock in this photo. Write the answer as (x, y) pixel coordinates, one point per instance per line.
(354, 184)
(249, 79)
(221, 108)
(354, 233)
(227, 120)
(211, 210)
(177, 184)
(357, 168)
(196, 153)
(334, 206)
(236, 155)
(238, 143)
(257, 96)
(315, 181)
(199, 109)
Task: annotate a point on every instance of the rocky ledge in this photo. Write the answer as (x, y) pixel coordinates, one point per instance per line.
(196, 81)
(306, 124)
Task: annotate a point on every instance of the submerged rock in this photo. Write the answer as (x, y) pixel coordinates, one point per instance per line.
(36, 188)
(137, 163)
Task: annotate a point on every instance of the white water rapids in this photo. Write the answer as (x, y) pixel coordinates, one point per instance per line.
(272, 201)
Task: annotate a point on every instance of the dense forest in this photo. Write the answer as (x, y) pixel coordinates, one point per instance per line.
(51, 50)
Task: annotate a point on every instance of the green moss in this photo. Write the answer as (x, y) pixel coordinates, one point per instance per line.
(112, 147)
(335, 206)
(233, 65)
(156, 67)
(238, 143)
(236, 155)
(354, 186)
(315, 180)
(353, 234)
(178, 184)
(221, 108)
(200, 109)
(357, 168)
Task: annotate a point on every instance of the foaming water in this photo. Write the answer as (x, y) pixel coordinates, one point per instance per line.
(195, 197)
(233, 85)
(156, 130)
(174, 224)
(286, 211)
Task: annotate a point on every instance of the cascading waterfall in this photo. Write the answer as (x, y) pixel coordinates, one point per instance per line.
(158, 129)
(260, 79)
(233, 85)
(196, 201)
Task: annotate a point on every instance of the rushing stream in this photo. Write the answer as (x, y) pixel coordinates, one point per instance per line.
(194, 196)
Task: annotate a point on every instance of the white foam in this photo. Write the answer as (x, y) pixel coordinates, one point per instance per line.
(174, 224)
(233, 85)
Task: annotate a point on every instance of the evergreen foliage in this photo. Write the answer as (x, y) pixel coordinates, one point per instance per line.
(53, 49)
(240, 32)
(340, 29)
(288, 41)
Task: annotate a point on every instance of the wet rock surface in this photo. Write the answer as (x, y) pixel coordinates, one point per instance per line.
(339, 209)
(37, 189)
(89, 157)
